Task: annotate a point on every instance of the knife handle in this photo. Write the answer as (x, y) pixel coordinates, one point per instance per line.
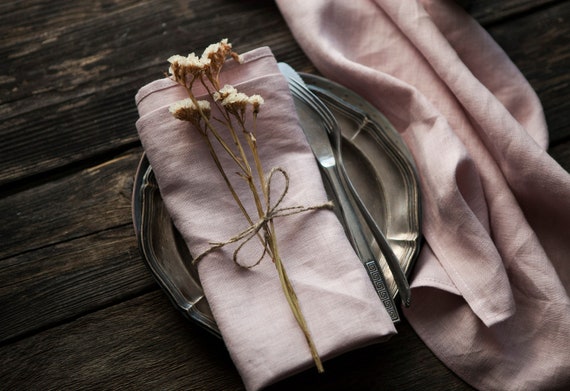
(359, 241)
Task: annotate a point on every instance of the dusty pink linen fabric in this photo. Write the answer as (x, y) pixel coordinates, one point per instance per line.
(342, 310)
(490, 290)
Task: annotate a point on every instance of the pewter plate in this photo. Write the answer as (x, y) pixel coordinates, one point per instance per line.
(377, 161)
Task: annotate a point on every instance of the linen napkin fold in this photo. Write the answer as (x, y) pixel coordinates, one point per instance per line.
(490, 289)
(340, 305)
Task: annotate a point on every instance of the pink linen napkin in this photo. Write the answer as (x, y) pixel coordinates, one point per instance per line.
(340, 305)
(490, 290)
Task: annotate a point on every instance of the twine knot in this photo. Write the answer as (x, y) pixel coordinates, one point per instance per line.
(271, 212)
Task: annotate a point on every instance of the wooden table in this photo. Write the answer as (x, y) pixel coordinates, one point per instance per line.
(78, 308)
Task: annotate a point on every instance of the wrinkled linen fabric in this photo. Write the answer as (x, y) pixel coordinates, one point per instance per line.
(490, 288)
(342, 310)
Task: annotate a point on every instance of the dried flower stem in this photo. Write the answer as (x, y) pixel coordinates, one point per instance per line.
(292, 300)
(290, 294)
(247, 168)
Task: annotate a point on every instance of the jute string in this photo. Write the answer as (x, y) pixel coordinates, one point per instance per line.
(271, 212)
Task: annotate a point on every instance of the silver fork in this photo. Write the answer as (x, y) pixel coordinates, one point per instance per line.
(332, 127)
(320, 143)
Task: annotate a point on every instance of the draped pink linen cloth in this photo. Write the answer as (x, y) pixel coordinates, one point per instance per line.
(342, 310)
(490, 290)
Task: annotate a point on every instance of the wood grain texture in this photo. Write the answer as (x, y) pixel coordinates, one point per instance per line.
(491, 11)
(542, 53)
(140, 344)
(69, 247)
(90, 200)
(57, 283)
(561, 153)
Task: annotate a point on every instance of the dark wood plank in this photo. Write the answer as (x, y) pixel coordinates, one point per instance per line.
(493, 11)
(144, 344)
(539, 44)
(26, 18)
(75, 242)
(54, 284)
(140, 344)
(561, 153)
(91, 200)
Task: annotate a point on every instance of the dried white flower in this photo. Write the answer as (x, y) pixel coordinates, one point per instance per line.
(177, 58)
(256, 101)
(217, 52)
(194, 61)
(224, 92)
(185, 70)
(235, 102)
(187, 110)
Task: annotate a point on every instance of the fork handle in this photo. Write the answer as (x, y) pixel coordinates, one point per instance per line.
(359, 241)
(387, 252)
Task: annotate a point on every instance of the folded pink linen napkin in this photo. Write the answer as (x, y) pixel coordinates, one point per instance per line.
(340, 305)
(490, 289)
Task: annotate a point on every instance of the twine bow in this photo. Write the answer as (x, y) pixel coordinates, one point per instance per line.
(271, 212)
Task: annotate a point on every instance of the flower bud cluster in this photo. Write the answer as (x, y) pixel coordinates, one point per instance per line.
(185, 70)
(188, 110)
(235, 101)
